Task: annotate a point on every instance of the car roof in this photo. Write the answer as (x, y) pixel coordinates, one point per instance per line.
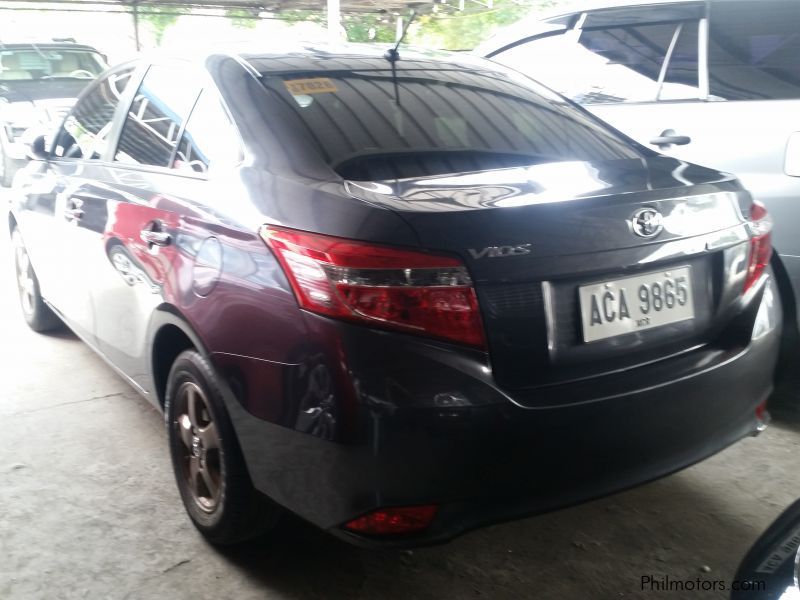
(323, 57)
(537, 24)
(579, 6)
(45, 46)
(264, 58)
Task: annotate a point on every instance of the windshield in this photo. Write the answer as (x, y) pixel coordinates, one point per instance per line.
(368, 127)
(39, 63)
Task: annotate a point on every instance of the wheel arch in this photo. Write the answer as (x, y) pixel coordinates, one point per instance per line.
(790, 336)
(171, 334)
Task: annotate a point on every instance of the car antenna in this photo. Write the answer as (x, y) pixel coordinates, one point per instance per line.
(392, 55)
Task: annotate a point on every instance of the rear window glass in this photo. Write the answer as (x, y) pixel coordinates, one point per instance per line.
(754, 50)
(369, 126)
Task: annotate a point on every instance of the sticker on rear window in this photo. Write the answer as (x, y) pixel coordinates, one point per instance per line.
(304, 87)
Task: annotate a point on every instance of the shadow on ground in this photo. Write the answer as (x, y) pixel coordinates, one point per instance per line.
(597, 550)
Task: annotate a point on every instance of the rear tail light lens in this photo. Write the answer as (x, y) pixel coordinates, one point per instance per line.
(760, 224)
(379, 286)
(393, 521)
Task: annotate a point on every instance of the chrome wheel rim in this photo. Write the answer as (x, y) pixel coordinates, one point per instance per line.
(198, 447)
(25, 282)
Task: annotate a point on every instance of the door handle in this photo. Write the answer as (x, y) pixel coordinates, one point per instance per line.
(73, 214)
(155, 238)
(668, 138)
(74, 209)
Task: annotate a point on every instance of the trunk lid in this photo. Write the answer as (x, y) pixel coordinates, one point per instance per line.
(533, 236)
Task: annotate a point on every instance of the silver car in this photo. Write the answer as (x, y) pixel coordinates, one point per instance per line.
(38, 85)
(715, 83)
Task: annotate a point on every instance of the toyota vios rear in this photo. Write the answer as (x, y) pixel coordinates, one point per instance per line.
(400, 300)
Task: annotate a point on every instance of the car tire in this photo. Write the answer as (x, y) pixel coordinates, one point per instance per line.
(209, 467)
(7, 167)
(37, 314)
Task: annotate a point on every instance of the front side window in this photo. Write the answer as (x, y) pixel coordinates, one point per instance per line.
(162, 102)
(86, 128)
(613, 64)
(367, 125)
(210, 140)
(754, 50)
(37, 63)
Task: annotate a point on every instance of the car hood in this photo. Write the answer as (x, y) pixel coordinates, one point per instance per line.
(38, 91)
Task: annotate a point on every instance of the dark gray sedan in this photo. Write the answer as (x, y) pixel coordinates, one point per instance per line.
(400, 298)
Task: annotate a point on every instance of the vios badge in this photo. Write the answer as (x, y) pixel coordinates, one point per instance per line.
(500, 251)
(646, 222)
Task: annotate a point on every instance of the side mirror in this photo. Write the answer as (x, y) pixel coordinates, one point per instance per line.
(36, 146)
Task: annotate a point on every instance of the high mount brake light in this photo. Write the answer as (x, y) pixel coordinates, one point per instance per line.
(760, 225)
(380, 286)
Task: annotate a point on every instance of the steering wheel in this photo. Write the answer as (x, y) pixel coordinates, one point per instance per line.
(81, 74)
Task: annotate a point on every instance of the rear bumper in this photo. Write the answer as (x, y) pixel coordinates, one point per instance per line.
(424, 424)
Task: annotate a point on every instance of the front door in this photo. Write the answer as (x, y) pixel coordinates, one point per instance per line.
(61, 213)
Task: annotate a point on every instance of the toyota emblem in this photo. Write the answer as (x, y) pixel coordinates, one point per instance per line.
(647, 222)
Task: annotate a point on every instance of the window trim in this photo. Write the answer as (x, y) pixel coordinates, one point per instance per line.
(702, 57)
(667, 58)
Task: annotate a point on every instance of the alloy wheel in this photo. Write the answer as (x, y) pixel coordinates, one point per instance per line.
(199, 457)
(25, 281)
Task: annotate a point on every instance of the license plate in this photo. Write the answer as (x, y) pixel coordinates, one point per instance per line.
(636, 303)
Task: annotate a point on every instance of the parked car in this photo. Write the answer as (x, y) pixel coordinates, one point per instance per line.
(715, 83)
(38, 84)
(399, 298)
(771, 568)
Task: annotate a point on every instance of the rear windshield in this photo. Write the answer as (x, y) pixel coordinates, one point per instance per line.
(369, 126)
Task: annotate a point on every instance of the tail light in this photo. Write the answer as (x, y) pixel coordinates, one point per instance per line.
(760, 224)
(398, 520)
(406, 290)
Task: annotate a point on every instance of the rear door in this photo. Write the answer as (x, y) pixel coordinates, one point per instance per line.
(133, 254)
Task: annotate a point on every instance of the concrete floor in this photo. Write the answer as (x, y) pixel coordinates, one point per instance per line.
(89, 509)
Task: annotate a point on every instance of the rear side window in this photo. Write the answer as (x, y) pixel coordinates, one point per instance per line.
(624, 63)
(754, 50)
(368, 126)
(162, 102)
(681, 76)
(210, 140)
(85, 130)
(637, 62)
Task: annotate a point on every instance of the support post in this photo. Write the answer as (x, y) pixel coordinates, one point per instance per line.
(136, 25)
(334, 20)
(398, 32)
